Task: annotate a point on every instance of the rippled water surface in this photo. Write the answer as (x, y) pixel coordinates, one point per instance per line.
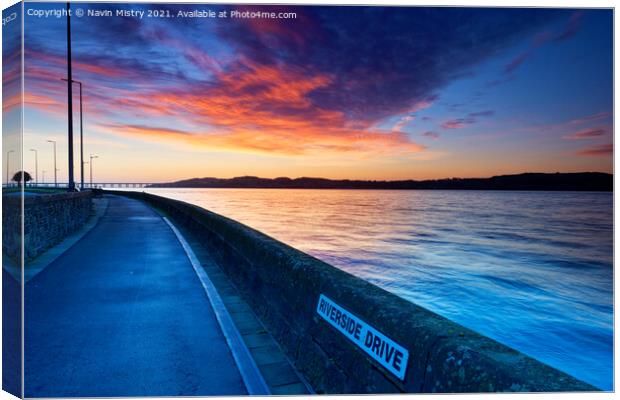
(532, 270)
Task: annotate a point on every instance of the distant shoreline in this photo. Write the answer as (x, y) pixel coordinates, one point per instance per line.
(581, 181)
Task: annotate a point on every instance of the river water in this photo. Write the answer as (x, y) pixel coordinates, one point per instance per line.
(533, 270)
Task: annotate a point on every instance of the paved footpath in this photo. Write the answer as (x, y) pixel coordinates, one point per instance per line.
(122, 313)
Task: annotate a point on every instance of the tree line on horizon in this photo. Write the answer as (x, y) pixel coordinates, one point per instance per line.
(581, 181)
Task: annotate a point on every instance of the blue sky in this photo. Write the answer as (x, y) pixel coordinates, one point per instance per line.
(339, 92)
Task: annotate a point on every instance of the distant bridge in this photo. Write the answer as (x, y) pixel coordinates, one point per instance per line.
(118, 185)
(86, 185)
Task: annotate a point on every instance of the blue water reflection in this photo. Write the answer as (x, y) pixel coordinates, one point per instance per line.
(532, 270)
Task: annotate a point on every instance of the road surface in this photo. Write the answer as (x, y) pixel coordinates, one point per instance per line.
(122, 313)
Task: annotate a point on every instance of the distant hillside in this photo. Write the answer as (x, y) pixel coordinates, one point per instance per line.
(583, 181)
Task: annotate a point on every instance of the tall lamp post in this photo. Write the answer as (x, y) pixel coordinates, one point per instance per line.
(81, 135)
(86, 162)
(91, 169)
(69, 101)
(55, 169)
(7, 166)
(36, 167)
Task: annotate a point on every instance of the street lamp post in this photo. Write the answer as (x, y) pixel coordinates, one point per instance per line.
(81, 136)
(85, 162)
(69, 101)
(91, 169)
(55, 169)
(36, 167)
(7, 166)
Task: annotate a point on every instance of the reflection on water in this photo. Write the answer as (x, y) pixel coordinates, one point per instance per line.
(532, 270)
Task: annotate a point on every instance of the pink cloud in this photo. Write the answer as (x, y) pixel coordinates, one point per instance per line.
(589, 118)
(586, 134)
(403, 122)
(600, 150)
(518, 60)
(423, 104)
(417, 106)
(454, 124)
(431, 135)
(572, 26)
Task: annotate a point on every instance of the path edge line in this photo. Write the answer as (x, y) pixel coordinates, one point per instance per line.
(252, 378)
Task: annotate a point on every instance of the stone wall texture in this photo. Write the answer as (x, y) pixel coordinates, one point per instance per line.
(11, 226)
(48, 219)
(283, 285)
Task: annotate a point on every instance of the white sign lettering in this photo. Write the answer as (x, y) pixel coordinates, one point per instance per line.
(381, 348)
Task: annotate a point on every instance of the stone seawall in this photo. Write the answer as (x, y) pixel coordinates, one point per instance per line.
(284, 285)
(48, 218)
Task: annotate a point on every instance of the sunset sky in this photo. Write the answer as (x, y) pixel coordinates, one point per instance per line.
(338, 92)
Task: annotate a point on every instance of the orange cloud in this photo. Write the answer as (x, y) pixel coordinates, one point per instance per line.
(11, 102)
(55, 61)
(261, 109)
(44, 102)
(282, 143)
(247, 107)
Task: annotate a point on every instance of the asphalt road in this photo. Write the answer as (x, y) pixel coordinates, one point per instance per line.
(122, 313)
